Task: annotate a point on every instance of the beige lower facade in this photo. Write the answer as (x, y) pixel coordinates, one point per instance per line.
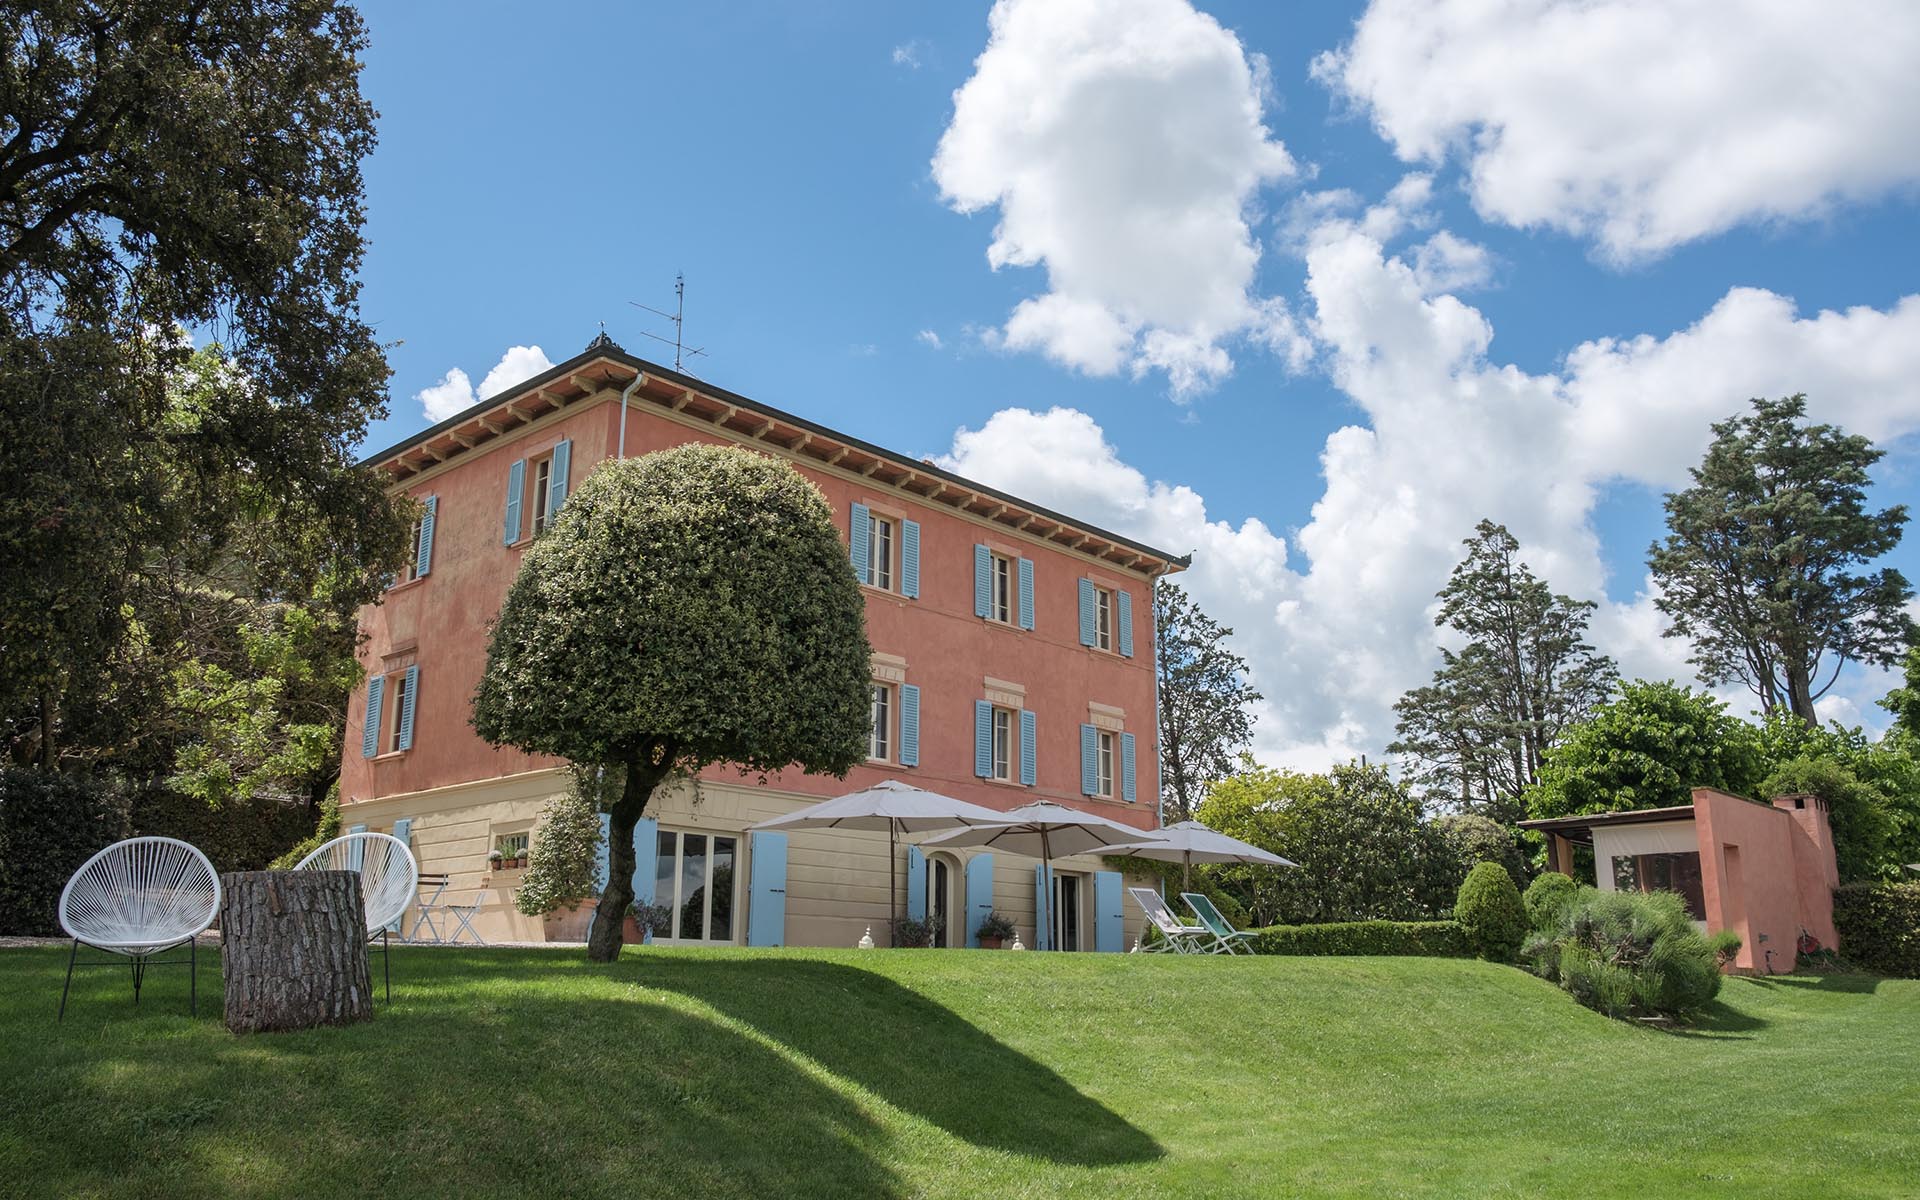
(835, 885)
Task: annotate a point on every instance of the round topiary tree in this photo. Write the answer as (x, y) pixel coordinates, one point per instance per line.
(1489, 909)
(1546, 895)
(689, 607)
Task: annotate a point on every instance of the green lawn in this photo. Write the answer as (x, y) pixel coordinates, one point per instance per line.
(936, 1073)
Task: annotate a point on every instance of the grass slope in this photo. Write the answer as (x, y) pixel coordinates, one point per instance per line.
(936, 1073)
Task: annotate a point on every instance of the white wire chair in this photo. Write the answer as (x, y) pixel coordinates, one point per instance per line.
(389, 880)
(138, 898)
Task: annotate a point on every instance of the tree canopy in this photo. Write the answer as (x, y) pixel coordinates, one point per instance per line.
(690, 607)
(1648, 747)
(1524, 673)
(1762, 564)
(1206, 714)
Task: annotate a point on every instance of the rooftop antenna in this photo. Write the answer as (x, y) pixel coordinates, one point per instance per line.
(678, 317)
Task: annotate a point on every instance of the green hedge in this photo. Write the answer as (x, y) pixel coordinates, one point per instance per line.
(1429, 939)
(49, 825)
(1879, 927)
(240, 835)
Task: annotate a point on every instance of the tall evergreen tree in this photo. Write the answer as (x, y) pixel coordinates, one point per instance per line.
(1761, 564)
(1477, 734)
(1206, 713)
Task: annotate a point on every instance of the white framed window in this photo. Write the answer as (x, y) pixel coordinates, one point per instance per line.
(1103, 775)
(1000, 605)
(542, 491)
(880, 724)
(1003, 745)
(880, 552)
(396, 703)
(694, 877)
(513, 845)
(413, 560)
(1102, 618)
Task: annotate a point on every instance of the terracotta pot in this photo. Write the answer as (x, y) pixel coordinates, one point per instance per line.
(991, 943)
(565, 924)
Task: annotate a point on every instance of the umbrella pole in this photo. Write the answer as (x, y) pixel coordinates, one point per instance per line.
(893, 878)
(1053, 897)
(1186, 871)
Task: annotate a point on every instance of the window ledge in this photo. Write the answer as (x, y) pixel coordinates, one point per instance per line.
(889, 593)
(409, 585)
(390, 755)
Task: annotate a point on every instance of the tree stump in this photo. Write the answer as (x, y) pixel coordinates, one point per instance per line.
(293, 950)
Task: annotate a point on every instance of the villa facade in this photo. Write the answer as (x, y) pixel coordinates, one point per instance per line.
(1012, 662)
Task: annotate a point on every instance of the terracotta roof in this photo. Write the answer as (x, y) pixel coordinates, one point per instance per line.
(604, 365)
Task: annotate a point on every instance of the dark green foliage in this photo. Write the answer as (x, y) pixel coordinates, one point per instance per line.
(324, 831)
(1469, 838)
(912, 933)
(1476, 735)
(1489, 909)
(173, 165)
(1760, 568)
(49, 825)
(1649, 747)
(1430, 939)
(1879, 927)
(1545, 896)
(1629, 954)
(566, 849)
(1856, 810)
(1363, 849)
(995, 925)
(240, 835)
(690, 607)
(1206, 714)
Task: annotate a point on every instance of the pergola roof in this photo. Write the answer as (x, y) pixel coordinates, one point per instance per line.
(605, 366)
(1572, 828)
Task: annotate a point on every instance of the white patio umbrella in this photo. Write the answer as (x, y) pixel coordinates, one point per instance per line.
(895, 807)
(1190, 842)
(1041, 830)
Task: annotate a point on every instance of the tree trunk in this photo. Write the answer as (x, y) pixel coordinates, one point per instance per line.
(1800, 693)
(294, 950)
(603, 944)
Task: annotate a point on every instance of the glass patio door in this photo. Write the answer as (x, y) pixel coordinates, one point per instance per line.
(694, 878)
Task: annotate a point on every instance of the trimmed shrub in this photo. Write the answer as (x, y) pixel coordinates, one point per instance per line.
(49, 825)
(327, 829)
(236, 835)
(1879, 927)
(565, 856)
(1629, 954)
(1428, 939)
(1489, 909)
(1545, 897)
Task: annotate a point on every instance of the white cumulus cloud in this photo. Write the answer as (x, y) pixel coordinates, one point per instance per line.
(455, 390)
(1122, 143)
(1644, 124)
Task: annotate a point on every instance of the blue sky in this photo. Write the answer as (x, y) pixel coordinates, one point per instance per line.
(535, 174)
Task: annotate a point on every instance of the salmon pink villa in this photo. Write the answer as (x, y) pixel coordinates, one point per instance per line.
(1012, 662)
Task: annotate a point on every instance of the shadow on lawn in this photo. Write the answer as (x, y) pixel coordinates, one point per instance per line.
(915, 1054)
(562, 1082)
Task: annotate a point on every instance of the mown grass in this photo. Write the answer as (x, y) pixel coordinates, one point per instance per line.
(949, 1073)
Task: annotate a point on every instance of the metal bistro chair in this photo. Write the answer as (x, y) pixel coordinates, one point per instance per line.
(428, 909)
(389, 877)
(464, 913)
(139, 898)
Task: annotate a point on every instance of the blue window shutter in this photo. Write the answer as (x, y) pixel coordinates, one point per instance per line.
(600, 866)
(859, 530)
(1089, 761)
(1124, 603)
(516, 485)
(910, 559)
(767, 891)
(1042, 908)
(982, 580)
(916, 884)
(370, 735)
(557, 478)
(423, 552)
(1026, 593)
(1109, 916)
(1029, 748)
(983, 739)
(1126, 766)
(909, 725)
(1086, 612)
(357, 854)
(406, 708)
(979, 894)
(403, 830)
(646, 858)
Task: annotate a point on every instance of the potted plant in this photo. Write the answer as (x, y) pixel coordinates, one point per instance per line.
(495, 859)
(558, 888)
(650, 920)
(912, 933)
(995, 929)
